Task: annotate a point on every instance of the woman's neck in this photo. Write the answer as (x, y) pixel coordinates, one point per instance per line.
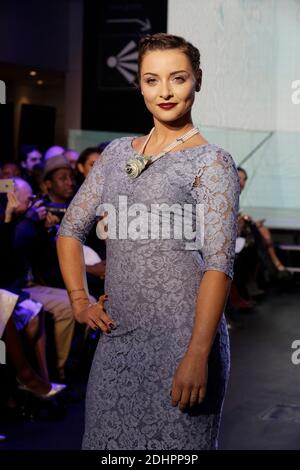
(165, 133)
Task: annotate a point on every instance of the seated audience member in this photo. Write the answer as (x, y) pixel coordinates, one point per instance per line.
(26, 317)
(262, 229)
(252, 263)
(59, 180)
(86, 161)
(35, 268)
(29, 157)
(39, 187)
(10, 170)
(29, 262)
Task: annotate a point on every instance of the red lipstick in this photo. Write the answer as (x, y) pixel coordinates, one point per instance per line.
(167, 105)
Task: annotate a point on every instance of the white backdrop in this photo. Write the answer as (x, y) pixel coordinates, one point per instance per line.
(250, 57)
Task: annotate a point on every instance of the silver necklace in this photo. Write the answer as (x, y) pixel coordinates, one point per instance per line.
(135, 166)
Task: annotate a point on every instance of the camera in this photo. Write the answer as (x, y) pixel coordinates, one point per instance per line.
(55, 208)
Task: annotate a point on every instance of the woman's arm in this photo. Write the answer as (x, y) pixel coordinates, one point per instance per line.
(76, 224)
(71, 260)
(211, 301)
(217, 188)
(189, 384)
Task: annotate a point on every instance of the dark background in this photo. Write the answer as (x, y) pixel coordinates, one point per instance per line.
(111, 102)
(41, 36)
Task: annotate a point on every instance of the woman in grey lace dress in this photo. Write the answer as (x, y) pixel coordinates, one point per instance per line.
(161, 367)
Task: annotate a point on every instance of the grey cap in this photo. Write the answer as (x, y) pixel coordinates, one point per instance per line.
(55, 163)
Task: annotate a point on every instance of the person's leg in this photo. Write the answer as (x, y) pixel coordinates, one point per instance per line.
(16, 354)
(63, 330)
(35, 333)
(57, 303)
(268, 241)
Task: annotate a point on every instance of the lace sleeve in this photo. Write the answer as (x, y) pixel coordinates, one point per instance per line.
(81, 213)
(216, 186)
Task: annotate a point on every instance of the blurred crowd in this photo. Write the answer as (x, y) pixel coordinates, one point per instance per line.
(258, 263)
(36, 320)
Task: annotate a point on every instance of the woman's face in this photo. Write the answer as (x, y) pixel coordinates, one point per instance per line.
(87, 166)
(168, 84)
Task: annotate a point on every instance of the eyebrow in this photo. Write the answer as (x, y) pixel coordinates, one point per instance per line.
(173, 73)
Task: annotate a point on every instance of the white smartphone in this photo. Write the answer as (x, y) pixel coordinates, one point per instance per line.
(7, 185)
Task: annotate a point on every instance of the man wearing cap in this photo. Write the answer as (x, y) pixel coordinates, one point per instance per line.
(59, 180)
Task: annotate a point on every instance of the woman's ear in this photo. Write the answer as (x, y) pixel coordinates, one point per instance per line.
(80, 168)
(199, 80)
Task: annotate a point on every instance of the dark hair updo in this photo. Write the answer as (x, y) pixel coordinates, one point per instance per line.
(242, 170)
(164, 41)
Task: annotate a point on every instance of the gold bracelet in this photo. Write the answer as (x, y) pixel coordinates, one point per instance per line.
(75, 290)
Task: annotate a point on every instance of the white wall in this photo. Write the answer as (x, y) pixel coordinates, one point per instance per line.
(250, 56)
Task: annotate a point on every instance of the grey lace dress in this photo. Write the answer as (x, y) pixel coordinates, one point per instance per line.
(152, 287)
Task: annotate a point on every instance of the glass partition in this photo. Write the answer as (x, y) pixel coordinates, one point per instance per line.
(271, 159)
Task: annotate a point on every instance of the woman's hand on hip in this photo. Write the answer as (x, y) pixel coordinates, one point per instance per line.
(94, 315)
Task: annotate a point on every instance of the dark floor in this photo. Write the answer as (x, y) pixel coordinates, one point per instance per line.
(262, 409)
